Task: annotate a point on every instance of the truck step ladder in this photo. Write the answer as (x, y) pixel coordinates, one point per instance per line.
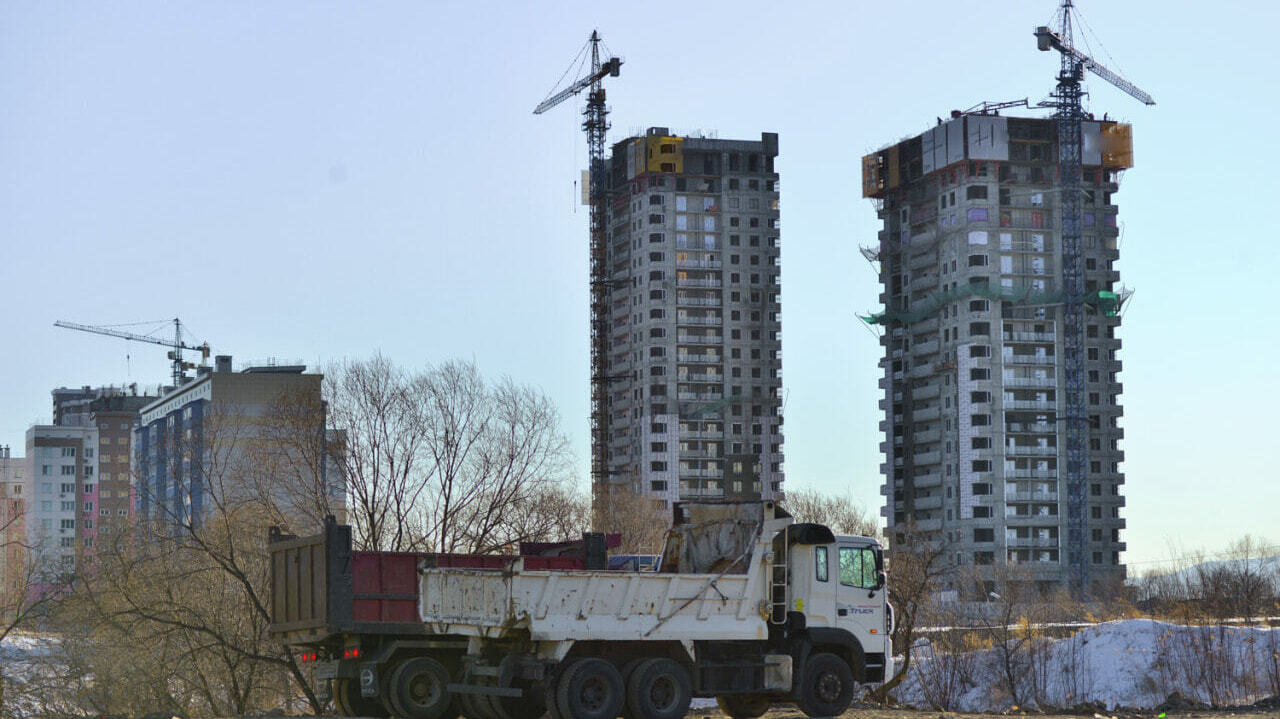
(779, 596)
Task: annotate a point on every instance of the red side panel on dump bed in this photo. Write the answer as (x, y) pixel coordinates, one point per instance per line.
(385, 586)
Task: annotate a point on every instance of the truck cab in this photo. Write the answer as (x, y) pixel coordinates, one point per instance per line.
(839, 587)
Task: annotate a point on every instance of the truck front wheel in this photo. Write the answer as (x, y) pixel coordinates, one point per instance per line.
(418, 687)
(826, 689)
(590, 688)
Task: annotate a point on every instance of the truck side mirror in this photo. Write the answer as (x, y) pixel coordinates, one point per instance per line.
(881, 579)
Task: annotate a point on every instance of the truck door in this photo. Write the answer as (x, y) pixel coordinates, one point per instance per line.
(859, 597)
(817, 586)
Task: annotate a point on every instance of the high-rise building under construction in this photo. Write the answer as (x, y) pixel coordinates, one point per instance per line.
(693, 360)
(973, 273)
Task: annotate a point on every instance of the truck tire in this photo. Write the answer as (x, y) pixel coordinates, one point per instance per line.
(743, 706)
(529, 706)
(826, 689)
(349, 702)
(590, 688)
(470, 709)
(659, 689)
(418, 689)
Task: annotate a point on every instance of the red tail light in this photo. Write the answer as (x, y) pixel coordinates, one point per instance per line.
(352, 653)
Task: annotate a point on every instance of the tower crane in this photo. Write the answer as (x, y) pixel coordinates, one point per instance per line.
(175, 354)
(1069, 115)
(595, 123)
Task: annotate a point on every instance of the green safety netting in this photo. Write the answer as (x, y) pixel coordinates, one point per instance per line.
(1108, 303)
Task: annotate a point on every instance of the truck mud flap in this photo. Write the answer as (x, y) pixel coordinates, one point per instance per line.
(486, 690)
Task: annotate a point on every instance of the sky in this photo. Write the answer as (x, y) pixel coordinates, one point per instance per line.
(314, 181)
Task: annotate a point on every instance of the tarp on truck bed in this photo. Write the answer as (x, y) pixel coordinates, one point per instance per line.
(710, 538)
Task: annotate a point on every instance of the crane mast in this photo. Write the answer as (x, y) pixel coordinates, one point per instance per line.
(596, 124)
(1069, 114)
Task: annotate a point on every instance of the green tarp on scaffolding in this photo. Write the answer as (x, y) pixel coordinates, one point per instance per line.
(1108, 303)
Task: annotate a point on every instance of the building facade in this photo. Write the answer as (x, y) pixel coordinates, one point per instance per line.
(61, 497)
(971, 270)
(114, 411)
(235, 437)
(694, 359)
(13, 538)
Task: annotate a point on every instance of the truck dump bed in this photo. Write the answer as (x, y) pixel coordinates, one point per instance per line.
(594, 605)
(608, 606)
(321, 589)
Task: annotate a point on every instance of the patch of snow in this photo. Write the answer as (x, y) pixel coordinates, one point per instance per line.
(1134, 663)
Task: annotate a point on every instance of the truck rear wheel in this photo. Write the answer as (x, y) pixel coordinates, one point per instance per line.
(418, 689)
(590, 688)
(659, 689)
(529, 706)
(826, 689)
(470, 709)
(743, 706)
(350, 703)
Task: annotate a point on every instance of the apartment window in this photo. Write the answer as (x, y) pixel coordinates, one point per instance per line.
(979, 397)
(979, 351)
(658, 466)
(979, 373)
(982, 465)
(981, 488)
(977, 329)
(984, 534)
(979, 420)
(979, 442)
(68, 469)
(981, 512)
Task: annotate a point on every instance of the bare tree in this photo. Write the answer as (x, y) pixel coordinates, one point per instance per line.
(840, 512)
(296, 462)
(26, 587)
(190, 582)
(384, 457)
(442, 460)
(916, 565)
(494, 450)
(641, 521)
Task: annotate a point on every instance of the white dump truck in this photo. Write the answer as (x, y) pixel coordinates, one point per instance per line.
(745, 606)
